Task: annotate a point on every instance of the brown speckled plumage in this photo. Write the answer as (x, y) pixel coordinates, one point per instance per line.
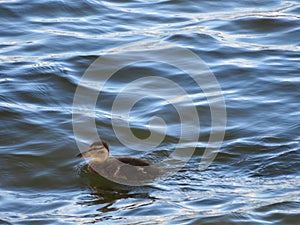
(120, 168)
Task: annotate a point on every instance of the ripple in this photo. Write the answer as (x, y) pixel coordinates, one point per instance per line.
(251, 47)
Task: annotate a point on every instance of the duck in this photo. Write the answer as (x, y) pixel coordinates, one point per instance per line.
(119, 169)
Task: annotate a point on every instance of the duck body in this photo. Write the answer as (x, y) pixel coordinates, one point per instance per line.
(119, 169)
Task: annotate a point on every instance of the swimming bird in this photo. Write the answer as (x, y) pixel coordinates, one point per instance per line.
(119, 168)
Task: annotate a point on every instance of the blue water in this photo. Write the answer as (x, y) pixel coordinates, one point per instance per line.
(250, 47)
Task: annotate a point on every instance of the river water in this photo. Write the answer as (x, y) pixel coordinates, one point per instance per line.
(48, 90)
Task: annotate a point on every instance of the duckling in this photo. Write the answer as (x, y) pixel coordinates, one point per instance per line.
(120, 168)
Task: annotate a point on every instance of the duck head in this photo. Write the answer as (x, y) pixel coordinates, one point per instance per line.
(99, 151)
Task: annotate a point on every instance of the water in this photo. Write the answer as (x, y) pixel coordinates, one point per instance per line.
(251, 47)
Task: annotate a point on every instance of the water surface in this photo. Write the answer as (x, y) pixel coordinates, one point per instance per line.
(252, 48)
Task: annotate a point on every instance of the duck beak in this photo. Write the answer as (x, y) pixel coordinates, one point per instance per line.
(83, 155)
(80, 155)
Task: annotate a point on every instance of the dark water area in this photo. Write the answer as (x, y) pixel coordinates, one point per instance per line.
(252, 49)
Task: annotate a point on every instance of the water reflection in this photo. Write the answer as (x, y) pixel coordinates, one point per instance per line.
(252, 48)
